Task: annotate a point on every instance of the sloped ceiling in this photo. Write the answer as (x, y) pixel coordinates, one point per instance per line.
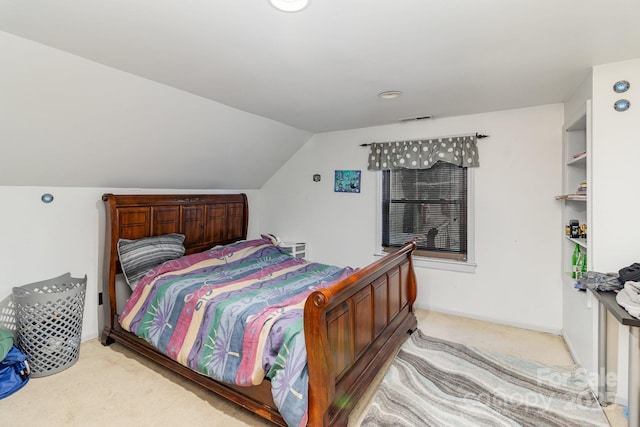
(69, 122)
(232, 77)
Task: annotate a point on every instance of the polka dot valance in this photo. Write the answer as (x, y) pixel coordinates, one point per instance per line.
(424, 153)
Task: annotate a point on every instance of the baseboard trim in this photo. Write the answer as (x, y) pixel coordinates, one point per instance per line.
(527, 326)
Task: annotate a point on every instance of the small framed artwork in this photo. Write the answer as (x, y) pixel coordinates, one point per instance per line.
(347, 181)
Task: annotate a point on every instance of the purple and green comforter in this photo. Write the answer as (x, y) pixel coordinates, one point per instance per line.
(234, 313)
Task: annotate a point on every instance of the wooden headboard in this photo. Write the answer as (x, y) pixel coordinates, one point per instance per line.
(206, 220)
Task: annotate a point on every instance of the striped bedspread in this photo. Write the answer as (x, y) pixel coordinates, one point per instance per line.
(234, 313)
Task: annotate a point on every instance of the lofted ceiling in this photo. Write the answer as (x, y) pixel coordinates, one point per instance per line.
(321, 69)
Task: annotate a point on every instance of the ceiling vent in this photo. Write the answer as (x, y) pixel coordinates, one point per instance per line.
(411, 119)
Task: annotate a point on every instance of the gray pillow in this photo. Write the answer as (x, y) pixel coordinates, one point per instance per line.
(139, 256)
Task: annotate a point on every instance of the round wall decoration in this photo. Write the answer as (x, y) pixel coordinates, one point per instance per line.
(622, 105)
(621, 86)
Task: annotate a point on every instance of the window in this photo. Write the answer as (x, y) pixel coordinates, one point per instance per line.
(428, 206)
(427, 198)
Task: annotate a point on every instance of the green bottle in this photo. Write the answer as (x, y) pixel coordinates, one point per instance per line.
(574, 260)
(584, 263)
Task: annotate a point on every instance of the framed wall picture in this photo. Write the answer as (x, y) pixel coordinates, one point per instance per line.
(347, 181)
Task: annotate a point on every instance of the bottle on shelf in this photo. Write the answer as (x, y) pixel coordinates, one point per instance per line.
(574, 260)
(579, 266)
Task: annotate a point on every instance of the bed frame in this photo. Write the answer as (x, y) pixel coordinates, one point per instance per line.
(351, 329)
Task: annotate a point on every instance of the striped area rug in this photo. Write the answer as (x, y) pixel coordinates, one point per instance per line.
(433, 382)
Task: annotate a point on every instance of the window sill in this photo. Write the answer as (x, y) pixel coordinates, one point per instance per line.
(440, 264)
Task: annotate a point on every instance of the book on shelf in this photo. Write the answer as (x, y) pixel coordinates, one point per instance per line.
(572, 197)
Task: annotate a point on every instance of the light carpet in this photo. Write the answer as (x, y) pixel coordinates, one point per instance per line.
(433, 382)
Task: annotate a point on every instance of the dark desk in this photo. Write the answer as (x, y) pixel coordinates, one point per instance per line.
(607, 303)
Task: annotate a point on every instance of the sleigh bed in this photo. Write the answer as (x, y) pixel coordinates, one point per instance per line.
(352, 323)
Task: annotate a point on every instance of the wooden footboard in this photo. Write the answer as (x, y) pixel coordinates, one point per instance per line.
(351, 330)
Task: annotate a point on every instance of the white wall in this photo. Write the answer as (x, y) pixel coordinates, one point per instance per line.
(614, 187)
(616, 150)
(40, 241)
(517, 219)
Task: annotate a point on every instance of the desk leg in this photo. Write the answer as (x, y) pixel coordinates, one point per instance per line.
(634, 377)
(602, 354)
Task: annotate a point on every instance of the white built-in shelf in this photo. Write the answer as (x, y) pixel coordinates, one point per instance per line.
(582, 241)
(580, 160)
(573, 197)
(578, 124)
